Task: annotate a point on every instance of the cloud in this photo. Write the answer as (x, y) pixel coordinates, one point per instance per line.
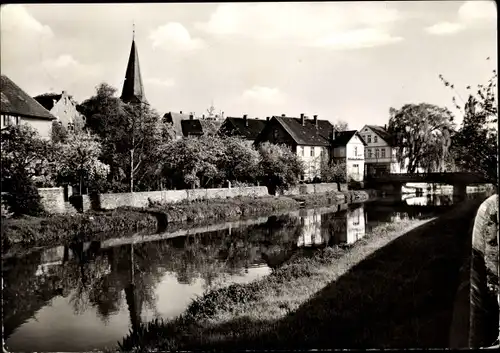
(263, 94)
(445, 28)
(159, 82)
(15, 19)
(477, 10)
(361, 38)
(174, 35)
(335, 25)
(67, 69)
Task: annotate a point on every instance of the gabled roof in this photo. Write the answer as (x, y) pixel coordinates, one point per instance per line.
(47, 100)
(191, 127)
(133, 89)
(248, 129)
(342, 138)
(17, 102)
(380, 131)
(308, 134)
(175, 119)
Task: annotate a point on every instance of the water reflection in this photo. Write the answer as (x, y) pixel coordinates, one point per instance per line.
(89, 295)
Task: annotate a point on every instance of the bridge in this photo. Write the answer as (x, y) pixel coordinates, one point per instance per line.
(392, 183)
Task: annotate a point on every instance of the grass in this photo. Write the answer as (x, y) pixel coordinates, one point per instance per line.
(55, 230)
(386, 290)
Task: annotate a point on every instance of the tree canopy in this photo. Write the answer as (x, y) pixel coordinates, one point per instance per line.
(422, 136)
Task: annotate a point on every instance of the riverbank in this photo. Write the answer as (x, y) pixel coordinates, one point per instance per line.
(393, 288)
(31, 232)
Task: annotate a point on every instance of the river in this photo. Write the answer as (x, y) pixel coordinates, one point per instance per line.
(88, 296)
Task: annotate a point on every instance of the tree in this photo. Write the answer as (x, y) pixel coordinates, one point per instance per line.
(79, 162)
(333, 171)
(475, 145)
(422, 135)
(59, 132)
(280, 167)
(341, 125)
(242, 161)
(24, 155)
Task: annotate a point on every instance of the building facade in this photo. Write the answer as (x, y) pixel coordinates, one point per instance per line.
(380, 154)
(63, 107)
(18, 107)
(349, 147)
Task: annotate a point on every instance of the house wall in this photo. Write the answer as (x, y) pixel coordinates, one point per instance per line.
(65, 111)
(43, 126)
(355, 160)
(312, 163)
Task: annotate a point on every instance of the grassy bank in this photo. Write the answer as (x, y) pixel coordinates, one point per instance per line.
(387, 290)
(29, 232)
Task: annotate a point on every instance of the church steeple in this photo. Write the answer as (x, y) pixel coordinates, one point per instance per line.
(133, 89)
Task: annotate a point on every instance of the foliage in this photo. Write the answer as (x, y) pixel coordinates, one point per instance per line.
(279, 166)
(59, 132)
(333, 171)
(341, 125)
(242, 161)
(22, 196)
(422, 135)
(475, 145)
(79, 163)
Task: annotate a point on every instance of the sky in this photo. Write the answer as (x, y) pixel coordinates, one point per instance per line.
(349, 61)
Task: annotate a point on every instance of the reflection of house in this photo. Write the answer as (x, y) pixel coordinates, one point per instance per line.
(310, 139)
(63, 107)
(19, 107)
(348, 146)
(356, 226)
(345, 227)
(310, 228)
(245, 127)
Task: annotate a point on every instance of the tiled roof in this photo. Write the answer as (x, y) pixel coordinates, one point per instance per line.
(191, 127)
(47, 100)
(249, 129)
(15, 101)
(379, 130)
(175, 119)
(308, 134)
(342, 138)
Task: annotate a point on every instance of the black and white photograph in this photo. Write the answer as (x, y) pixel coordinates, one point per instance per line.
(201, 176)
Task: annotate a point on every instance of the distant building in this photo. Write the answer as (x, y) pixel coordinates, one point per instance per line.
(380, 154)
(191, 128)
(310, 139)
(18, 107)
(175, 119)
(133, 89)
(348, 146)
(244, 127)
(63, 107)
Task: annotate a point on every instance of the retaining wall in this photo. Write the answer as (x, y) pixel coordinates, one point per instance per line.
(484, 325)
(305, 189)
(52, 199)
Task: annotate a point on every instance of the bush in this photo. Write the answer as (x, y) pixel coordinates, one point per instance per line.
(23, 197)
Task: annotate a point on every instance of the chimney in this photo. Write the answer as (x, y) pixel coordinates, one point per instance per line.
(385, 126)
(302, 119)
(190, 116)
(180, 112)
(334, 134)
(203, 116)
(245, 120)
(267, 118)
(283, 115)
(315, 120)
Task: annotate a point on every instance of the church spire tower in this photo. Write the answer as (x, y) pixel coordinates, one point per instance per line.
(133, 89)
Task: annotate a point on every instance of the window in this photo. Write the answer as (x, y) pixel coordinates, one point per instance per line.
(312, 151)
(375, 138)
(275, 134)
(382, 150)
(376, 153)
(369, 138)
(355, 150)
(369, 150)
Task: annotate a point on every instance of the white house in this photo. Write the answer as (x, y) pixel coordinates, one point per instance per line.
(380, 155)
(63, 107)
(348, 146)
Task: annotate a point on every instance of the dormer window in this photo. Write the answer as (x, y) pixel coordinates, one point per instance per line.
(369, 138)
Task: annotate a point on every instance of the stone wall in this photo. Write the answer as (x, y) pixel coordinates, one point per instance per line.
(142, 199)
(305, 189)
(52, 199)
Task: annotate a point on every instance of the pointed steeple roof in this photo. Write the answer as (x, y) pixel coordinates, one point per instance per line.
(133, 89)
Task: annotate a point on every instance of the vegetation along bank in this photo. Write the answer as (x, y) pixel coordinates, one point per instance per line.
(54, 230)
(393, 288)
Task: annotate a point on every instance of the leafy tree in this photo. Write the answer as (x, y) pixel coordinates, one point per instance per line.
(422, 134)
(333, 171)
(242, 161)
(79, 162)
(59, 132)
(279, 166)
(341, 125)
(475, 145)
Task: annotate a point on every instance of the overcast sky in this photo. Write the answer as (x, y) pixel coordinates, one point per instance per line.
(349, 61)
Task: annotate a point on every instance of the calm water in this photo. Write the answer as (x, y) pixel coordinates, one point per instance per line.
(88, 296)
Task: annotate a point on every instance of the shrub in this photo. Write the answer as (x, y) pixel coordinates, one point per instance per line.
(23, 197)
